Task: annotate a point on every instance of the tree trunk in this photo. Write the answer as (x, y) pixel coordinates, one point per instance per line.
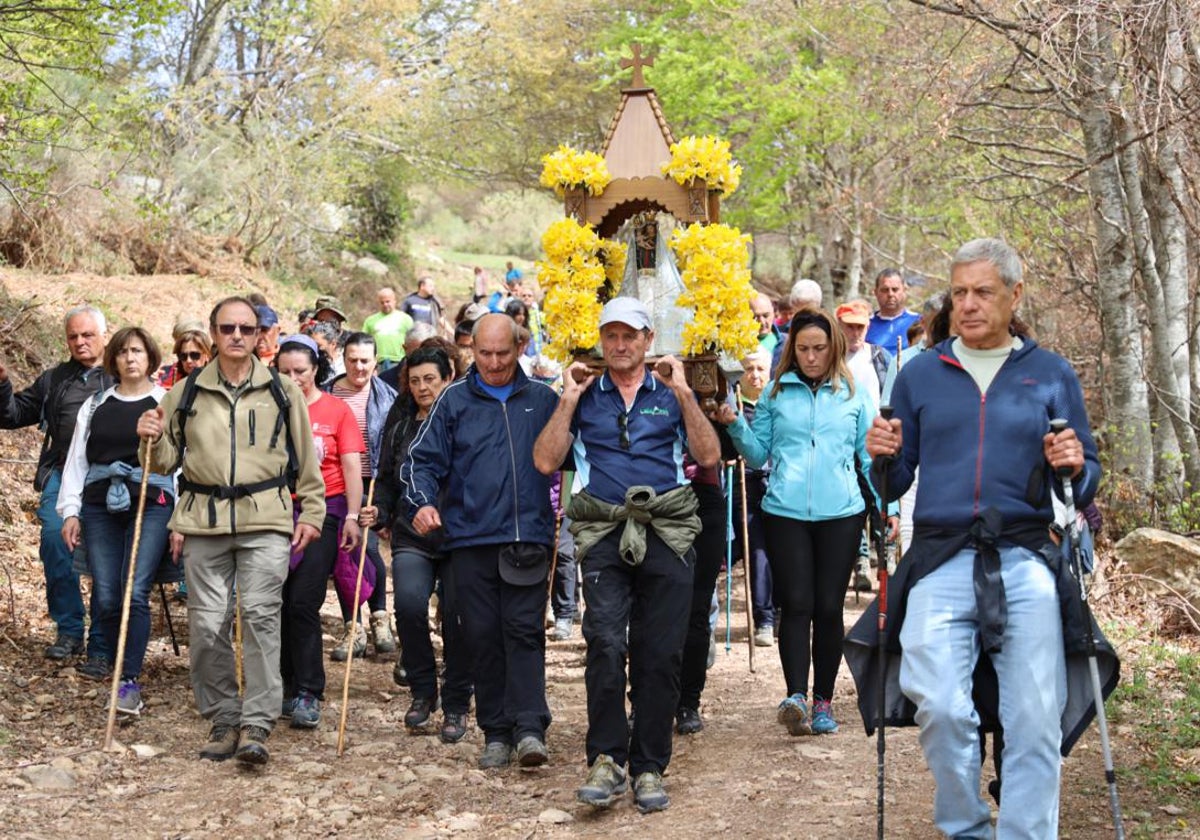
(1127, 408)
(206, 39)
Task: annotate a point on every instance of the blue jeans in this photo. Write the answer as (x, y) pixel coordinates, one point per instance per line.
(940, 641)
(62, 584)
(413, 576)
(109, 539)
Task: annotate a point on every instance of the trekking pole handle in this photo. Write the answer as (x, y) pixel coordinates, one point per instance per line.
(885, 411)
(1058, 425)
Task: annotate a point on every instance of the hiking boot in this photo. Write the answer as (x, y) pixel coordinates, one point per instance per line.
(649, 794)
(712, 652)
(764, 636)
(222, 742)
(96, 668)
(531, 751)
(793, 713)
(381, 633)
(454, 727)
(252, 748)
(563, 629)
(862, 574)
(63, 647)
(129, 699)
(496, 755)
(688, 721)
(339, 653)
(399, 675)
(306, 711)
(605, 782)
(418, 714)
(822, 718)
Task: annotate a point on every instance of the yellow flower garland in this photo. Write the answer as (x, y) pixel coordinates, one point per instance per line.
(578, 265)
(716, 273)
(707, 158)
(565, 169)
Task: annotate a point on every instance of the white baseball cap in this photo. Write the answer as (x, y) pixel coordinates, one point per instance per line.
(626, 310)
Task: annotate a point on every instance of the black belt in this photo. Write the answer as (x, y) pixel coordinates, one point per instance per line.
(228, 491)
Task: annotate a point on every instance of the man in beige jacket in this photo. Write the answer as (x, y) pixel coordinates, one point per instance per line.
(234, 520)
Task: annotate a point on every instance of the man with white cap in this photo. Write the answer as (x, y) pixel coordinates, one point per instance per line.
(634, 522)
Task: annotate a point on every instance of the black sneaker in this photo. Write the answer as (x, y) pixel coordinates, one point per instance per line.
(63, 647)
(96, 668)
(605, 782)
(252, 748)
(222, 742)
(688, 721)
(418, 714)
(454, 727)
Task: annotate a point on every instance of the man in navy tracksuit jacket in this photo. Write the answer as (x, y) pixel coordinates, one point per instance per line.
(974, 414)
(477, 443)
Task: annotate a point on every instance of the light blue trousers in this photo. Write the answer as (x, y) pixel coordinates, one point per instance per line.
(940, 638)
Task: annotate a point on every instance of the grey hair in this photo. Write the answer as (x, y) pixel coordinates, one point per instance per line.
(92, 312)
(519, 333)
(328, 330)
(932, 304)
(420, 332)
(805, 292)
(995, 251)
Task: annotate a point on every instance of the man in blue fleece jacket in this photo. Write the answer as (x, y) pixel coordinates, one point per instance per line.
(975, 414)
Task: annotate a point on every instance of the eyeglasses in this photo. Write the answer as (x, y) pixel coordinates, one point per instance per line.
(623, 426)
(246, 330)
(191, 356)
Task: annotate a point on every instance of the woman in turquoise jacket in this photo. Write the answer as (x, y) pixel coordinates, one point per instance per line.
(810, 423)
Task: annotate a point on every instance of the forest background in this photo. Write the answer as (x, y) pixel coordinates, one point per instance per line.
(146, 137)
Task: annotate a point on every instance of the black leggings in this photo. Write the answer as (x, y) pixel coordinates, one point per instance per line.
(810, 567)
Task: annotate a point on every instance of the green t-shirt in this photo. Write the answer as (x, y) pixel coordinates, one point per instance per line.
(389, 332)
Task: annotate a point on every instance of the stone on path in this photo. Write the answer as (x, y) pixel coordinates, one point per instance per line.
(45, 777)
(554, 816)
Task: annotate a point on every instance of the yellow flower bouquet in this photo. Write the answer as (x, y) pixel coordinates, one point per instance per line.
(579, 266)
(565, 169)
(716, 274)
(706, 158)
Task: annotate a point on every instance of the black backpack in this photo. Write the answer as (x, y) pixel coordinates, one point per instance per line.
(282, 421)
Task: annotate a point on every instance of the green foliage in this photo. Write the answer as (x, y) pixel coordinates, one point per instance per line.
(1159, 696)
(381, 204)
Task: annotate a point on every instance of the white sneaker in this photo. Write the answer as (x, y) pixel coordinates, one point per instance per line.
(562, 630)
(764, 637)
(381, 632)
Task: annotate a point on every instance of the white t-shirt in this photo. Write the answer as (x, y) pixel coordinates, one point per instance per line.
(864, 373)
(983, 365)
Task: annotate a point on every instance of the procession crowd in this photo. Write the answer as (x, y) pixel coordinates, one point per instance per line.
(507, 485)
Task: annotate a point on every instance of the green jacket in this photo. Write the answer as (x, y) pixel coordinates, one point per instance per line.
(229, 445)
(672, 516)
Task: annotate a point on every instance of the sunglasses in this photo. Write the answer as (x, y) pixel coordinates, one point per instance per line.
(191, 356)
(623, 426)
(246, 330)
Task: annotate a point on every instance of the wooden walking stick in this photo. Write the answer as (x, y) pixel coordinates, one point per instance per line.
(737, 390)
(144, 457)
(237, 638)
(362, 560)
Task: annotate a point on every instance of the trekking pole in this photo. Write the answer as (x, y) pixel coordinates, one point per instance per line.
(162, 593)
(144, 457)
(362, 560)
(737, 390)
(729, 538)
(885, 411)
(1057, 425)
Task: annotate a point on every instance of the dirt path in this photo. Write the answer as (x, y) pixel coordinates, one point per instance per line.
(742, 776)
